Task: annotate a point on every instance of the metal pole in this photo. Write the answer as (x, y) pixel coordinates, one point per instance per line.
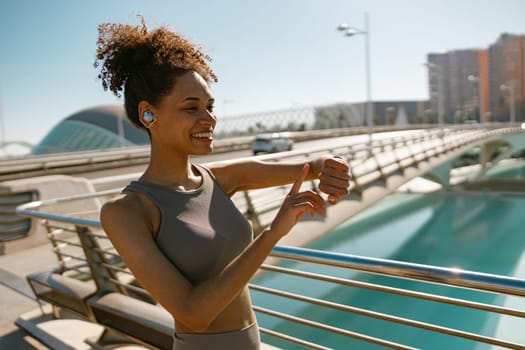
(369, 109)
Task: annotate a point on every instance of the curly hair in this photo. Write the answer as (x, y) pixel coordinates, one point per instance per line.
(145, 64)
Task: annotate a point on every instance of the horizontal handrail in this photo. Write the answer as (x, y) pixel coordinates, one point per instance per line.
(439, 275)
(393, 290)
(429, 273)
(379, 315)
(332, 329)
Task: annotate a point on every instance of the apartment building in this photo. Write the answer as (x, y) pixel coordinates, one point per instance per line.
(479, 84)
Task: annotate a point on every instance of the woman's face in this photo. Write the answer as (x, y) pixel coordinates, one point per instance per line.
(185, 117)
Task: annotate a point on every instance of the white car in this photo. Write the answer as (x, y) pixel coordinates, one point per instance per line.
(271, 143)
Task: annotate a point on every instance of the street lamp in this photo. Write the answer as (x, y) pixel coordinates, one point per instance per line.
(510, 88)
(438, 72)
(475, 80)
(351, 31)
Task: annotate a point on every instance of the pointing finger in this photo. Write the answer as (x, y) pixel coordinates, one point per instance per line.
(299, 181)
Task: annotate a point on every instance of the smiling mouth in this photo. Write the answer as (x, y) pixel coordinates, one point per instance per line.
(203, 135)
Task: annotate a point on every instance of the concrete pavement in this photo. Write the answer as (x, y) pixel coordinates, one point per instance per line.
(16, 298)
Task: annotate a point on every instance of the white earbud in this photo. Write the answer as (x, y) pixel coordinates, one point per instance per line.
(149, 118)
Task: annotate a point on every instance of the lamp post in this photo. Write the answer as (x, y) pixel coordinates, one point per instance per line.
(351, 31)
(438, 72)
(475, 80)
(510, 88)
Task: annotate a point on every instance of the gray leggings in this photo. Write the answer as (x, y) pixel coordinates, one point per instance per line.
(244, 339)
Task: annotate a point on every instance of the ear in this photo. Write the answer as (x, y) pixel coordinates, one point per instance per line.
(145, 114)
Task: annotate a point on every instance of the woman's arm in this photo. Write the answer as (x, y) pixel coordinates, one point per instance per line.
(127, 223)
(249, 174)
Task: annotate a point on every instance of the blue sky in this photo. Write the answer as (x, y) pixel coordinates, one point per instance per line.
(268, 54)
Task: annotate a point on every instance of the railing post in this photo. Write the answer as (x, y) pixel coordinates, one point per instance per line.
(357, 187)
(382, 175)
(101, 275)
(51, 236)
(251, 213)
(400, 166)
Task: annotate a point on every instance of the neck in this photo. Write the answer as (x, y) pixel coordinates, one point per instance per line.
(171, 170)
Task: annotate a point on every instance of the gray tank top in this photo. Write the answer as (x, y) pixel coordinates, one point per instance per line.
(201, 231)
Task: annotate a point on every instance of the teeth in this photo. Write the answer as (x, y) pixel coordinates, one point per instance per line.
(203, 135)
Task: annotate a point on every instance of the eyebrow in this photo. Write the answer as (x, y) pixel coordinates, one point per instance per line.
(196, 99)
(190, 99)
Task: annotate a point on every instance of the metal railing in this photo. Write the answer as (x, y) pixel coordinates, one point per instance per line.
(75, 162)
(69, 233)
(370, 163)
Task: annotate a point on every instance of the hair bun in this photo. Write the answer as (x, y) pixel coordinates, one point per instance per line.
(124, 50)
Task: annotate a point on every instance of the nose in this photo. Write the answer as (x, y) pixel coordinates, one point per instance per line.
(209, 118)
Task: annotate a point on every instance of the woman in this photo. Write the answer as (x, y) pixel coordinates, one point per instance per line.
(176, 227)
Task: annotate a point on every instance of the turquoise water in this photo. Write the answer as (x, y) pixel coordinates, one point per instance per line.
(482, 232)
(514, 170)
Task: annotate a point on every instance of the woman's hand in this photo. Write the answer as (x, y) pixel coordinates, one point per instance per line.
(296, 204)
(334, 179)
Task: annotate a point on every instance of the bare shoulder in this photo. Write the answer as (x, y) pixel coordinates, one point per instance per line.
(127, 212)
(126, 203)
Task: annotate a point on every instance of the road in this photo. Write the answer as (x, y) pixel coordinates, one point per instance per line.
(135, 170)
